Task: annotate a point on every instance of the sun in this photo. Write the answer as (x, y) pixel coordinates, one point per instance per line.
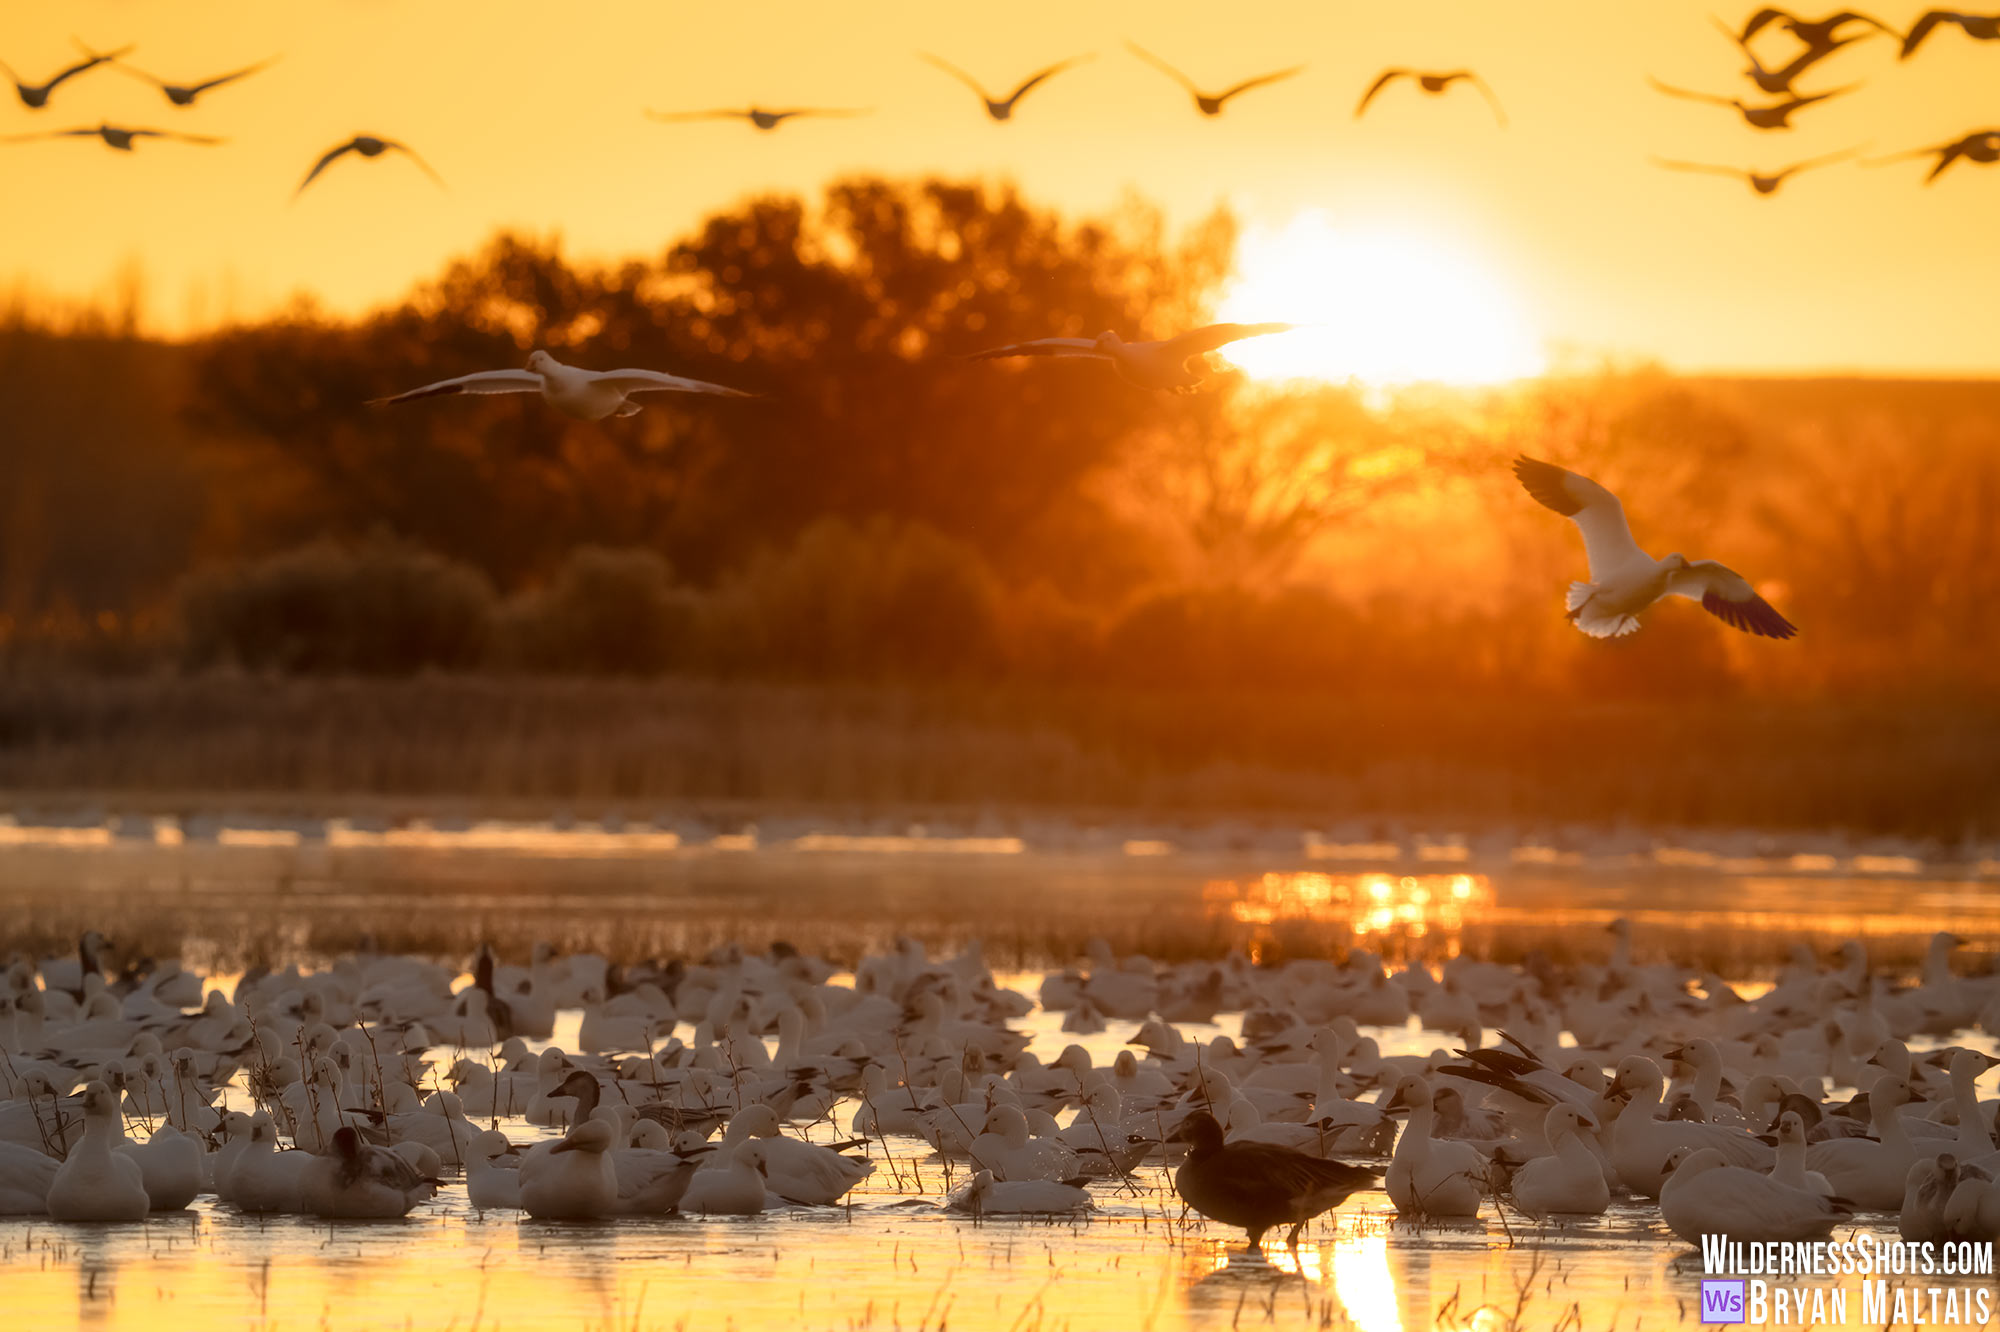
(1382, 309)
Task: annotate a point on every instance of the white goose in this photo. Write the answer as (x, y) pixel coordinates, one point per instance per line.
(1641, 1140)
(359, 1181)
(1871, 1172)
(575, 1178)
(264, 1179)
(1006, 1148)
(1571, 1179)
(1429, 1177)
(1625, 579)
(97, 1182)
(983, 1195)
(735, 1189)
(1175, 365)
(489, 1187)
(25, 1177)
(587, 395)
(1705, 1195)
(1790, 1167)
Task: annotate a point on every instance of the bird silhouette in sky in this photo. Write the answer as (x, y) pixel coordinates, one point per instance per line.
(1981, 146)
(1209, 104)
(114, 136)
(368, 145)
(1819, 34)
(183, 94)
(1777, 116)
(1433, 83)
(762, 119)
(1979, 27)
(997, 109)
(1764, 182)
(36, 96)
(1778, 79)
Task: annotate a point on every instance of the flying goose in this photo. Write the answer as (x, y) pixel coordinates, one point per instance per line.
(588, 395)
(1176, 365)
(1209, 104)
(368, 145)
(1777, 116)
(1979, 27)
(183, 94)
(762, 119)
(1779, 80)
(114, 136)
(997, 109)
(36, 96)
(1979, 146)
(1432, 83)
(1764, 182)
(1625, 580)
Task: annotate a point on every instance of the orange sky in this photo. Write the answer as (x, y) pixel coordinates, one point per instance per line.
(532, 113)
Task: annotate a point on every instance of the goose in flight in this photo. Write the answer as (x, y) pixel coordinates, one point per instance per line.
(588, 395)
(1777, 116)
(1176, 365)
(1818, 34)
(35, 96)
(762, 119)
(1626, 580)
(1209, 104)
(183, 94)
(1979, 146)
(1764, 182)
(368, 145)
(1778, 81)
(1432, 83)
(1979, 27)
(1001, 110)
(114, 136)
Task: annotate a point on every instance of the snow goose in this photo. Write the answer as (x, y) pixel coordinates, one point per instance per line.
(997, 108)
(1625, 580)
(735, 1188)
(575, 1178)
(804, 1172)
(1005, 1147)
(265, 1179)
(367, 145)
(97, 1182)
(587, 395)
(1927, 1192)
(360, 1181)
(1789, 1168)
(1173, 365)
(170, 1164)
(25, 1177)
(982, 1195)
(1641, 1140)
(1973, 1211)
(1428, 1177)
(1210, 104)
(1256, 1185)
(1871, 1172)
(1705, 1195)
(1571, 1179)
(489, 1187)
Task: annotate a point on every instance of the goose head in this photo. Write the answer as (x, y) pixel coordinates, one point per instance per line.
(100, 1103)
(1200, 1131)
(541, 363)
(1412, 1093)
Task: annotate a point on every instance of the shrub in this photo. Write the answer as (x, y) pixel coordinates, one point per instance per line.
(606, 612)
(379, 608)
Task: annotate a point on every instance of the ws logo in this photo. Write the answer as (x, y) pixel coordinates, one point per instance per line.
(1721, 1301)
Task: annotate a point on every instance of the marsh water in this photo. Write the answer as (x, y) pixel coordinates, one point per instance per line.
(894, 1258)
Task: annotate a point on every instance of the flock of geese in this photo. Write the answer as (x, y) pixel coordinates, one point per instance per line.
(364, 1090)
(1815, 40)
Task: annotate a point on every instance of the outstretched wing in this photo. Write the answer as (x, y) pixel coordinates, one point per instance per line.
(719, 114)
(1807, 99)
(221, 79)
(483, 381)
(1259, 82)
(958, 74)
(1164, 67)
(1052, 70)
(1486, 91)
(1199, 340)
(1607, 540)
(1692, 96)
(654, 381)
(1922, 29)
(1388, 76)
(1040, 347)
(416, 157)
(1757, 21)
(1728, 596)
(1675, 164)
(322, 165)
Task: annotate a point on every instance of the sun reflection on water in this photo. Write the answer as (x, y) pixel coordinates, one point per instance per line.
(1409, 906)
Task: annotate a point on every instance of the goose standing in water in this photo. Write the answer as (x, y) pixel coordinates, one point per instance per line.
(98, 1182)
(1571, 1179)
(575, 1178)
(1705, 1195)
(361, 1181)
(1625, 580)
(1174, 365)
(587, 395)
(1210, 104)
(1003, 110)
(1258, 1186)
(1431, 1177)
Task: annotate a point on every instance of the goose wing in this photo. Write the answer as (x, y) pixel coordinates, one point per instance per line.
(654, 381)
(1164, 67)
(1259, 82)
(483, 381)
(1040, 347)
(323, 163)
(957, 73)
(1207, 339)
(220, 79)
(1051, 71)
(1922, 29)
(1728, 596)
(1607, 540)
(1388, 77)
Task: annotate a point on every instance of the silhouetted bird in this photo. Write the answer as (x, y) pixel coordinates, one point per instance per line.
(1779, 80)
(367, 145)
(36, 96)
(1258, 1185)
(1764, 182)
(1981, 146)
(1625, 579)
(1177, 365)
(183, 94)
(1815, 33)
(1776, 116)
(1979, 27)
(1431, 83)
(1001, 110)
(114, 136)
(588, 395)
(1209, 104)
(762, 119)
